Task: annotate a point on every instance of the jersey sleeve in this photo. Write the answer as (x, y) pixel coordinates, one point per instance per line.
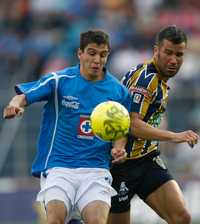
(39, 90)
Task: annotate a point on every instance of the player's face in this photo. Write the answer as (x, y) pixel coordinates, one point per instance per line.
(93, 60)
(169, 57)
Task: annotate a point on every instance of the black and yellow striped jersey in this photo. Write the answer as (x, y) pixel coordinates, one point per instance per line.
(150, 96)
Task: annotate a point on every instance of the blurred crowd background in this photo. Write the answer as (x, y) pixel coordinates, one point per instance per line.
(41, 36)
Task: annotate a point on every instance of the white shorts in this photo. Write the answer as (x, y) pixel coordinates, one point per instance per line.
(76, 187)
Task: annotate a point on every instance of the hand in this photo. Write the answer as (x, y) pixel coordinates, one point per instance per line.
(12, 111)
(187, 136)
(119, 155)
(15, 107)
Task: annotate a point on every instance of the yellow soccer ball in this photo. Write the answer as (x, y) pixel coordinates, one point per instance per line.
(110, 121)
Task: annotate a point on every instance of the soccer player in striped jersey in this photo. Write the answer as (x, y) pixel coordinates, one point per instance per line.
(72, 163)
(144, 173)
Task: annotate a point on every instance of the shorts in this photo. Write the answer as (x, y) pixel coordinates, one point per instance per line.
(137, 177)
(76, 187)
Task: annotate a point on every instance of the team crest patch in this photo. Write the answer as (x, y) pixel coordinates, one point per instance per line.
(137, 97)
(84, 129)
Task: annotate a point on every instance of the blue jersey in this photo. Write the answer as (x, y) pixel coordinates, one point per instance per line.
(66, 138)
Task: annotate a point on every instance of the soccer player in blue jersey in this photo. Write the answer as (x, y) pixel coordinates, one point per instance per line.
(144, 173)
(72, 163)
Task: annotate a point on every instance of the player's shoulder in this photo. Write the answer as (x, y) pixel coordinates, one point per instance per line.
(68, 72)
(131, 74)
(141, 75)
(148, 74)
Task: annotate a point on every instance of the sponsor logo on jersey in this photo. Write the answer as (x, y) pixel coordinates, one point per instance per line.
(142, 91)
(85, 129)
(70, 102)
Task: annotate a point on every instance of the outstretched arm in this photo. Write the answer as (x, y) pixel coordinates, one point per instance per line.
(143, 130)
(15, 107)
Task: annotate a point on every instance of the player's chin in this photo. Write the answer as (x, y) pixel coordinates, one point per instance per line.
(170, 73)
(96, 71)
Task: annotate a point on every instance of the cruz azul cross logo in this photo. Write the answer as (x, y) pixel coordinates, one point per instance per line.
(84, 129)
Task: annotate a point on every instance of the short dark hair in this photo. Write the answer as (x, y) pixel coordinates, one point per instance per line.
(171, 33)
(94, 36)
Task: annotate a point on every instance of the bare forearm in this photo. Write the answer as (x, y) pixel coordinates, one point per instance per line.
(118, 151)
(143, 130)
(120, 143)
(18, 101)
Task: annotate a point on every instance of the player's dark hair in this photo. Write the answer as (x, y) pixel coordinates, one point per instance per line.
(171, 33)
(94, 36)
